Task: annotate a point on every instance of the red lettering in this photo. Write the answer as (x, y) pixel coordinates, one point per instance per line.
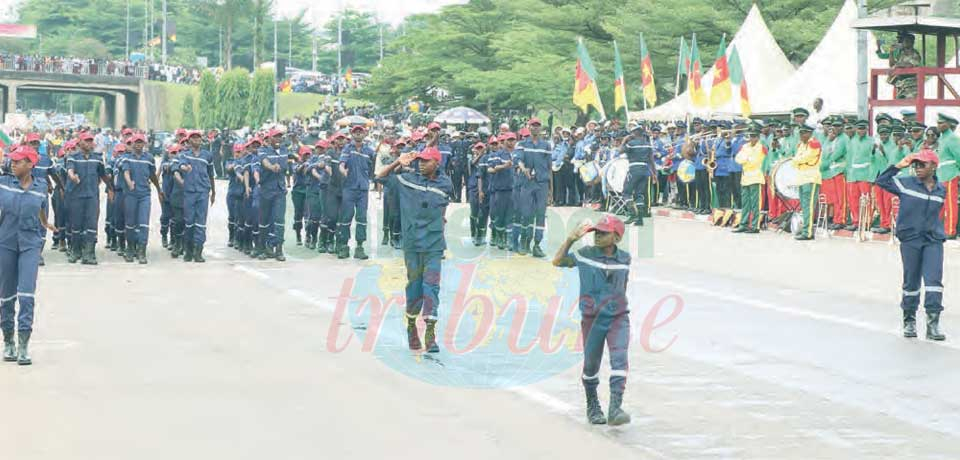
(649, 322)
(338, 314)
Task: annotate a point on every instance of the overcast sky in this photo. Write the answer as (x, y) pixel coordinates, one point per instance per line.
(392, 11)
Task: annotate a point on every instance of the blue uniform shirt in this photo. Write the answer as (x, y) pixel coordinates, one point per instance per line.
(423, 202)
(43, 168)
(536, 157)
(19, 214)
(198, 179)
(919, 216)
(273, 182)
(90, 169)
(735, 145)
(724, 156)
(359, 163)
(446, 152)
(141, 169)
(503, 179)
(603, 279)
(318, 163)
(235, 174)
(166, 174)
(639, 153)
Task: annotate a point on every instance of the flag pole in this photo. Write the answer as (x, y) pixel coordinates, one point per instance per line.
(643, 97)
(676, 89)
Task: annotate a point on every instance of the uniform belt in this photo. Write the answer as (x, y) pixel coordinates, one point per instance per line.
(948, 162)
(838, 165)
(638, 163)
(860, 165)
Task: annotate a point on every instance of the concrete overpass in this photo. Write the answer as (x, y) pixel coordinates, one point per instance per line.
(124, 99)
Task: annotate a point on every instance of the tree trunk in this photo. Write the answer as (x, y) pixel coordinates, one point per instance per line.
(228, 42)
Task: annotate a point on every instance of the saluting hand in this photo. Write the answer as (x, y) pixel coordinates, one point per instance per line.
(905, 162)
(578, 232)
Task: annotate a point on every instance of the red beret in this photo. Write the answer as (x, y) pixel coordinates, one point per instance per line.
(25, 152)
(429, 153)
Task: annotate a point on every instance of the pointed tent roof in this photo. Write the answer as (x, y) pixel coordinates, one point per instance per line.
(764, 67)
(830, 72)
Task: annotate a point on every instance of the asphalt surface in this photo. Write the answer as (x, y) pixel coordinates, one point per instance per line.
(777, 349)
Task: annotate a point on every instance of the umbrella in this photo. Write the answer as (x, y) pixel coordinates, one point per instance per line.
(462, 115)
(354, 120)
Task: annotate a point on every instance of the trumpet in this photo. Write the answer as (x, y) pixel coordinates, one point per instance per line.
(713, 135)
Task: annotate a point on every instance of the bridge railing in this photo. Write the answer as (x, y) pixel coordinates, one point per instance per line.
(70, 67)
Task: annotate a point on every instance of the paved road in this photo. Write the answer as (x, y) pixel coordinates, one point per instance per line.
(780, 350)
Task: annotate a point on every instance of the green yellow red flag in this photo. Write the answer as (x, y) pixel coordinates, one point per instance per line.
(585, 92)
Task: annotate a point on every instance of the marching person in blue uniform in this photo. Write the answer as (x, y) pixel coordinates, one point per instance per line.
(43, 171)
(298, 191)
(137, 172)
(509, 140)
(115, 222)
(424, 197)
(333, 198)
(234, 173)
(22, 215)
(920, 231)
(605, 315)
(173, 192)
(391, 197)
(86, 171)
(59, 199)
(251, 199)
(273, 195)
(723, 175)
(500, 173)
(478, 193)
(356, 164)
(195, 166)
(318, 176)
(166, 211)
(639, 152)
(536, 168)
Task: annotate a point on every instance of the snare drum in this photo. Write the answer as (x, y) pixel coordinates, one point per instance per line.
(616, 174)
(784, 178)
(686, 172)
(590, 173)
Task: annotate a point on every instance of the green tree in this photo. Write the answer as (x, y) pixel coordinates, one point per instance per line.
(187, 117)
(207, 115)
(233, 98)
(261, 98)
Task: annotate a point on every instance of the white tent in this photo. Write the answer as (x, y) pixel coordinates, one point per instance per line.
(764, 67)
(830, 72)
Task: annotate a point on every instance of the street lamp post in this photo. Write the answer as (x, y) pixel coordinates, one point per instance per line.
(275, 120)
(126, 46)
(163, 40)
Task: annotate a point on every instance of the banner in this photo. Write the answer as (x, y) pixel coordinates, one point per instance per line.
(18, 31)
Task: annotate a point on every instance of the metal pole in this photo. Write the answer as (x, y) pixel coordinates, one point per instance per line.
(275, 71)
(676, 89)
(220, 45)
(862, 63)
(146, 26)
(314, 52)
(339, 45)
(380, 62)
(163, 39)
(126, 46)
(290, 45)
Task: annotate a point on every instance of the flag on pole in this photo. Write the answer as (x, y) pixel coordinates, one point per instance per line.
(18, 31)
(683, 61)
(348, 76)
(5, 140)
(585, 92)
(619, 88)
(720, 92)
(737, 78)
(646, 75)
(698, 97)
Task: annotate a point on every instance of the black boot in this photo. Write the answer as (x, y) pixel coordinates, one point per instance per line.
(359, 253)
(89, 254)
(430, 337)
(198, 254)
(74, 253)
(112, 242)
(386, 237)
(299, 238)
(142, 254)
(413, 336)
(23, 354)
(278, 254)
(129, 252)
(594, 412)
(343, 251)
(121, 246)
(524, 244)
(9, 346)
(265, 252)
(164, 241)
(909, 324)
(537, 252)
(616, 415)
(187, 251)
(176, 247)
(933, 327)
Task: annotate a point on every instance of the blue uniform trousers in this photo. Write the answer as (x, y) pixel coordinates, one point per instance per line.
(118, 220)
(136, 212)
(59, 216)
(234, 206)
(18, 280)
(84, 213)
(354, 204)
(391, 210)
(614, 330)
(500, 205)
(273, 210)
(251, 216)
(332, 199)
(514, 218)
(423, 283)
(299, 198)
(479, 211)
(165, 214)
(533, 203)
(195, 206)
(922, 260)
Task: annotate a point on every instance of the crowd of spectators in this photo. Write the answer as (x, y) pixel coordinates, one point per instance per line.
(96, 66)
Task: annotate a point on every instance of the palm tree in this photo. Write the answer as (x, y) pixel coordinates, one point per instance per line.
(260, 12)
(225, 12)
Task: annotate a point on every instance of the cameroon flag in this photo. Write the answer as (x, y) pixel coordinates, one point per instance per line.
(646, 75)
(720, 92)
(619, 88)
(348, 76)
(737, 78)
(5, 140)
(698, 97)
(585, 92)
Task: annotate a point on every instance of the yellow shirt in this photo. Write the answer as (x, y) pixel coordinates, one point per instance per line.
(807, 162)
(751, 157)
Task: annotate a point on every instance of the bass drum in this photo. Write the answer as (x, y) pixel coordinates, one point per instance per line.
(686, 171)
(590, 173)
(784, 177)
(616, 174)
